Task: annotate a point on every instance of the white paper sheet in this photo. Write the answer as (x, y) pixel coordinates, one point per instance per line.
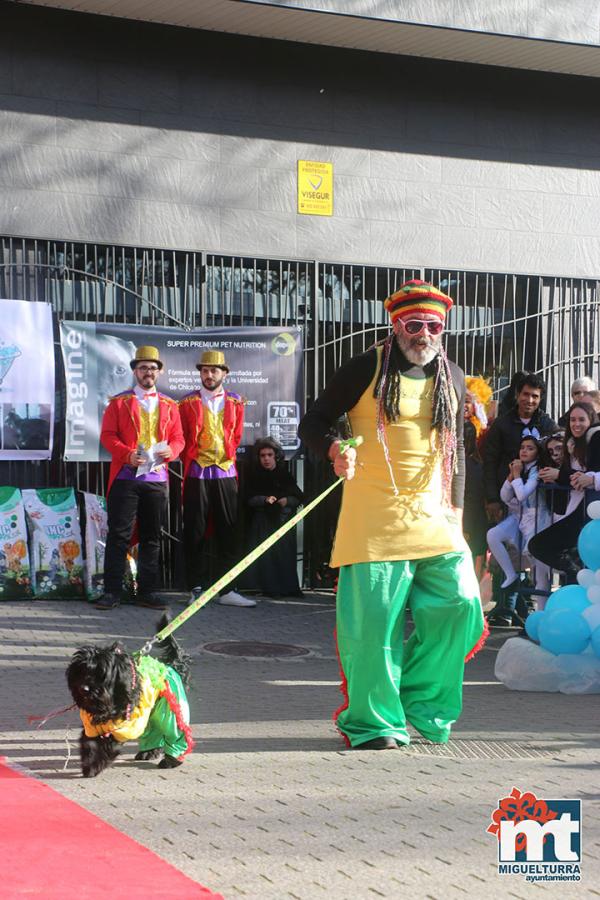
(152, 462)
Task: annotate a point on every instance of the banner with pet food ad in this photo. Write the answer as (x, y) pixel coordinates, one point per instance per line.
(265, 368)
(26, 380)
(56, 557)
(15, 576)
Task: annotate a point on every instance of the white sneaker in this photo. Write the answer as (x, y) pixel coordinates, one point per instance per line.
(195, 593)
(232, 598)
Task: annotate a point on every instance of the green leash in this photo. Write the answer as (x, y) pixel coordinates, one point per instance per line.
(247, 560)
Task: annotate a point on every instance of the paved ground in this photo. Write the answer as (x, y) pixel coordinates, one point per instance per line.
(270, 805)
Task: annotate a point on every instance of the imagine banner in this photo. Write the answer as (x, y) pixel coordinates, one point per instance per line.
(265, 364)
(26, 380)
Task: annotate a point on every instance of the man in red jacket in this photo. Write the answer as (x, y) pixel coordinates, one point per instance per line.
(141, 429)
(212, 420)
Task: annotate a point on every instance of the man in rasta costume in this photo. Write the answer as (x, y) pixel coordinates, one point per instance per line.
(399, 540)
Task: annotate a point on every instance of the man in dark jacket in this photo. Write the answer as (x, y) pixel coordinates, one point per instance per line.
(500, 448)
(504, 437)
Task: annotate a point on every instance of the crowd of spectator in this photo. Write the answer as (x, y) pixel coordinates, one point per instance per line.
(527, 477)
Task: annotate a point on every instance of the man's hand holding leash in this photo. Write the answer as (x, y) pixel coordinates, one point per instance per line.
(342, 455)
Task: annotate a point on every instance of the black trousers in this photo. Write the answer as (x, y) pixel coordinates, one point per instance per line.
(218, 498)
(549, 545)
(127, 501)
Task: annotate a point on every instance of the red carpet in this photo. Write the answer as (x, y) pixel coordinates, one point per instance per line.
(53, 849)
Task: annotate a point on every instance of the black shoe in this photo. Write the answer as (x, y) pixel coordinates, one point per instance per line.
(517, 620)
(380, 743)
(107, 601)
(495, 620)
(151, 601)
(170, 762)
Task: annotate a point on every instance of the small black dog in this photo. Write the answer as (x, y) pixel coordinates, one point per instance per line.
(122, 697)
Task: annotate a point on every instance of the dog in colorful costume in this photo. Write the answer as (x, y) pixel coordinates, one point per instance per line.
(399, 542)
(124, 698)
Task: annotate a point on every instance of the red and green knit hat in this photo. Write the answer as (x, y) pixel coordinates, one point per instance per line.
(417, 296)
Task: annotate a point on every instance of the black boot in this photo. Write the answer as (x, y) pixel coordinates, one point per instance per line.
(499, 619)
(522, 607)
(569, 563)
(502, 616)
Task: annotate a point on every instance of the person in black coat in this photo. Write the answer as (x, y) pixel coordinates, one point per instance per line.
(474, 515)
(273, 497)
(580, 470)
(504, 437)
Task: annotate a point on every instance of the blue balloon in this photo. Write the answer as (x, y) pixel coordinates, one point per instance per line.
(596, 642)
(589, 544)
(532, 624)
(562, 631)
(571, 596)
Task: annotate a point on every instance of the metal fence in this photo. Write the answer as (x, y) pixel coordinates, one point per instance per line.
(500, 323)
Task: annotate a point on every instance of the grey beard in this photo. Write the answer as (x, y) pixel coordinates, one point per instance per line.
(418, 357)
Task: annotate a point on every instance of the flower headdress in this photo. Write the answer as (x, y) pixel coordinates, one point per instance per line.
(481, 395)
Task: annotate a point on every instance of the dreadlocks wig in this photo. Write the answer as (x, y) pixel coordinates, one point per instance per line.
(418, 297)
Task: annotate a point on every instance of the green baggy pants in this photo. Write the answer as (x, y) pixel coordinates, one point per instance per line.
(389, 682)
(162, 729)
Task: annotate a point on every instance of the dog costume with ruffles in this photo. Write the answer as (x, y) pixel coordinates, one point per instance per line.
(161, 718)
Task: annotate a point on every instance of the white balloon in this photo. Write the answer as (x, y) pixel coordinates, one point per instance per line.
(592, 616)
(593, 593)
(586, 577)
(597, 576)
(593, 509)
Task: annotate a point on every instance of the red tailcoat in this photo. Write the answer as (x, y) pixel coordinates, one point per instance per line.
(121, 429)
(192, 417)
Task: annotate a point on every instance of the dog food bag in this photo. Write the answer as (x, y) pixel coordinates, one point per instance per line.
(96, 529)
(15, 577)
(56, 560)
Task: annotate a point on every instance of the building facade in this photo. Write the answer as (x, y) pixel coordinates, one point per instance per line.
(149, 170)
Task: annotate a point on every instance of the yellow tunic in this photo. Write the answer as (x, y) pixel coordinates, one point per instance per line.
(126, 729)
(211, 446)
(374, 525)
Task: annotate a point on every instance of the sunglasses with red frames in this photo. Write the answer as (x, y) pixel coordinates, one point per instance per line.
(416, 326)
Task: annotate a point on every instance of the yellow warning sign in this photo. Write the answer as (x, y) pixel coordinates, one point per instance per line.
(315, 188)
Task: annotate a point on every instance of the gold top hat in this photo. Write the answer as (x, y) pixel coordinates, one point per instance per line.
(146, 354)
(213, 358)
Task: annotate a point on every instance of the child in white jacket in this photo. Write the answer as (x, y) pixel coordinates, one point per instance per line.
(527, 514)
